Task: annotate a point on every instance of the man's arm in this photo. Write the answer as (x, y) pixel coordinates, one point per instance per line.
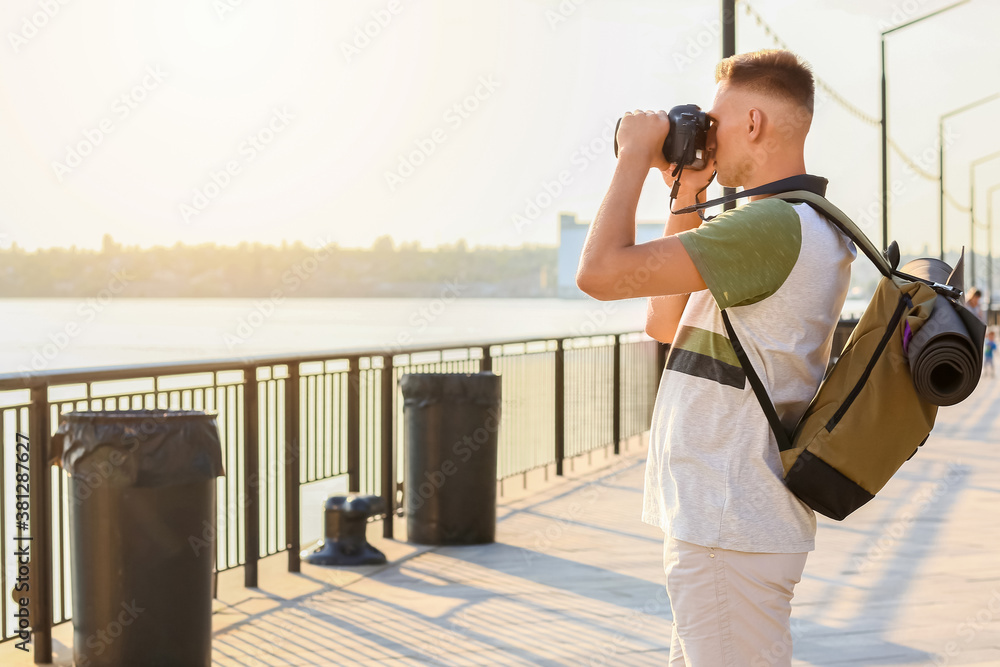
(612, 266)
(663, 313)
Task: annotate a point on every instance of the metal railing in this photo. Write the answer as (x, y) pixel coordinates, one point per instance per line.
(285, 421)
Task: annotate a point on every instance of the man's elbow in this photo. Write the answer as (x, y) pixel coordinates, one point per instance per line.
(594, 285)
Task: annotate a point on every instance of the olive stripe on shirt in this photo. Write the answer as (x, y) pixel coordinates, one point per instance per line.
(705, 354)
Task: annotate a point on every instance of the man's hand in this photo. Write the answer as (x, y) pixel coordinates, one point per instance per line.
(612, 266)
(693, 181)
(641, 136)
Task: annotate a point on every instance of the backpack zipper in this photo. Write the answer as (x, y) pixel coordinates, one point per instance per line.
(904, 302)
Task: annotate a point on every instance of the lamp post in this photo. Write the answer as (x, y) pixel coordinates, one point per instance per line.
(885, 121)
(728, 49)
(972, 210)
(989, 235)
(941, 160)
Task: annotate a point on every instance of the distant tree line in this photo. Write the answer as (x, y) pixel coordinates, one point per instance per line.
(289, 270)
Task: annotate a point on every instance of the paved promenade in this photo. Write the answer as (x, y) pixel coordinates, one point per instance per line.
(575, 579)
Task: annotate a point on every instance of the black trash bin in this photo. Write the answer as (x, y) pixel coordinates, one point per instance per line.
(142, 505)
(450, 430)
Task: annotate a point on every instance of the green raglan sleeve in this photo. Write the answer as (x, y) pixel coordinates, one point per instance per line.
(746, 254)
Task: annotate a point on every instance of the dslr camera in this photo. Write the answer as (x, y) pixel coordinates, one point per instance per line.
(686, 139)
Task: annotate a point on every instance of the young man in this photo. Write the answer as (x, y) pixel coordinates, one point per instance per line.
(735, 538)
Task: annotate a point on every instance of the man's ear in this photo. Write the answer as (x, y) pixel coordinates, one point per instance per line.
(755, 124)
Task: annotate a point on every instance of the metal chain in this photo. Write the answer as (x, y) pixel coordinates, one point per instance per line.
(954, 202)
(820, 83)
(850, 108)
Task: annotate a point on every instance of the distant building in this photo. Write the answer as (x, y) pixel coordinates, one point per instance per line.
(572, 234)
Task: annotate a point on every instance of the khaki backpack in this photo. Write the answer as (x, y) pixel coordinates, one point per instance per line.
(868, 416)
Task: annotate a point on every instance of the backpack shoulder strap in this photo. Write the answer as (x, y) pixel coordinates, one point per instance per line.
(780, 434)
(811, 190)
(840, 220)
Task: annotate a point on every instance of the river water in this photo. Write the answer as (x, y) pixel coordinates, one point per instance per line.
(49, 334)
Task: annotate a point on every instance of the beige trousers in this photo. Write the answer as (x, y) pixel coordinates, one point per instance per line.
(730, 608)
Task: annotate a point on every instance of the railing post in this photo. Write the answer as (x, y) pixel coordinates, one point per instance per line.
(487, 363)
(40, 524)
(354, 425)
(388, 460)
(560, 406)
(292, 449)
(251, 477)
(616, 395)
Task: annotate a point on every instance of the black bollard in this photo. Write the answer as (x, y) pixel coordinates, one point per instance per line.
(345, 522)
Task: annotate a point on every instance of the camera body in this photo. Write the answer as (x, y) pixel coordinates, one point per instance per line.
(686, 139)
(688, 135)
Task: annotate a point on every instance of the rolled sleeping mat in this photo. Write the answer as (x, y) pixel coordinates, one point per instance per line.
(946, 354)
(933, 269)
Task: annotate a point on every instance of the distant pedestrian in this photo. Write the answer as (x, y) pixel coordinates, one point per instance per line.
(975, 303)
(990, 348)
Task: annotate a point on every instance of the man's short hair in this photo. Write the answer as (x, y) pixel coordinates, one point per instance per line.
(770, 71)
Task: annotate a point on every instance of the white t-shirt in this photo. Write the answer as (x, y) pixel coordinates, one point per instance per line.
(713, 475)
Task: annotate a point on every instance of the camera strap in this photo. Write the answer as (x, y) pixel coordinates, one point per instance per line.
(808, 182)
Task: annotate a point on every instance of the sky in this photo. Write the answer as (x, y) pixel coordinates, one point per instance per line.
(226, 121)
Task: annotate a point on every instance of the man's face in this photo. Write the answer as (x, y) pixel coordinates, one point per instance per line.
(727, 136)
